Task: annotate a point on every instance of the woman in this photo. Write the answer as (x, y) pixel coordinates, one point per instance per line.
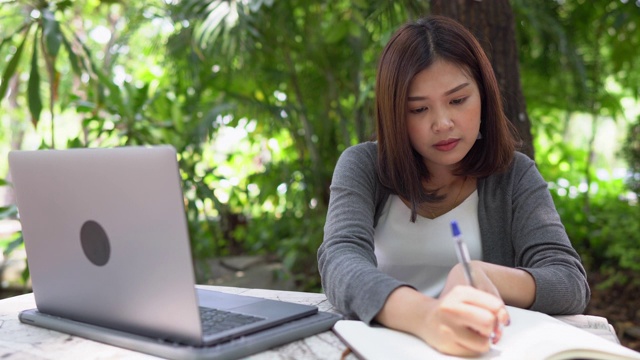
(444, 151)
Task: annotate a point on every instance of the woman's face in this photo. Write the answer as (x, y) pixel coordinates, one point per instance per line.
(443, 114)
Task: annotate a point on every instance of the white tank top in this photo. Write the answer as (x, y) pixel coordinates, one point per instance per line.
(422, 253)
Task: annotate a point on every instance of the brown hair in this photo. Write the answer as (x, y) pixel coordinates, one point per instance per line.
(413, 48)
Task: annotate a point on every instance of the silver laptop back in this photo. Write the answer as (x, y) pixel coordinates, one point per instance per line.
(87, 215)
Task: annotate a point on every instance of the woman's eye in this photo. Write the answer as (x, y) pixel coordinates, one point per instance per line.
(458, 101)
(418, 110)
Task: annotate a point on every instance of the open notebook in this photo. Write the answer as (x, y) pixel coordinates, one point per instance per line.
(531, 335)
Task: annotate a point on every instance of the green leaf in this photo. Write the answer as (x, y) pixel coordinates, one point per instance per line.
(13, 245)
(52, 34)
(114, 93)
(8, 211)
(75, 143)
(73, 59)
(11, 67)
(33, 87)
(83, 106)
(10, 37)
(336, 33)
(25, 273)
(64, 5)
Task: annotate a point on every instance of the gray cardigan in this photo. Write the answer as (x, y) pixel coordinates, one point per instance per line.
(519, 227)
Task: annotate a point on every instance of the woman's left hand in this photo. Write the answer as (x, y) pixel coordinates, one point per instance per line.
(516, 287)
(480, 279)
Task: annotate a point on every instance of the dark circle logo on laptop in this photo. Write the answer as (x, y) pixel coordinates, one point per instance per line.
(95, 243)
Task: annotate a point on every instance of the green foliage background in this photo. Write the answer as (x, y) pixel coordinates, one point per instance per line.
(259, 97)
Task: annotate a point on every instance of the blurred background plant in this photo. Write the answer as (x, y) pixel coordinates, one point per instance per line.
(578, 63)
(260, 97)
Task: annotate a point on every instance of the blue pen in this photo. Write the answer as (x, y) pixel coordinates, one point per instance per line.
(463, 257)
(462, 252)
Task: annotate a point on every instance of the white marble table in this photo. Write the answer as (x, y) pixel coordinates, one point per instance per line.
(20, 341)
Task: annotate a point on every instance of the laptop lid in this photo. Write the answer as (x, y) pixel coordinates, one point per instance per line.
(106, 238)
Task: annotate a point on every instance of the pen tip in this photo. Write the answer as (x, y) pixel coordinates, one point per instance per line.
(454, 228)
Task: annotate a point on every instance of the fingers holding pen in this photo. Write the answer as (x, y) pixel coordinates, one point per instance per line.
(478, 299)
(469, 321)
(503, 319)
(462, 342)
(479, 303)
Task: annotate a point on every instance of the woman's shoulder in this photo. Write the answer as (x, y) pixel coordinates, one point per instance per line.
(520, 159)
(524, 168)
(520, 165)
(521, 175)
(357, 162)
(365, 149)
(363, 154)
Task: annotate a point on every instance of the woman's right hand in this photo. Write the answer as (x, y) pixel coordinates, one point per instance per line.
(463, 322)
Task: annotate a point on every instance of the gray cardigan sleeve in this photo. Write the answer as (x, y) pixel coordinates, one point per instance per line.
(521, 228)
(346, 259)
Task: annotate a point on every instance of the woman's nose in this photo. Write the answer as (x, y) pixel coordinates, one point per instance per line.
(442, 121)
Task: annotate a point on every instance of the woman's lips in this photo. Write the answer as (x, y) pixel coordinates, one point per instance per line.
(446, 145)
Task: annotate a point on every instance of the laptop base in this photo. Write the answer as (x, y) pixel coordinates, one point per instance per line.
(232, 349)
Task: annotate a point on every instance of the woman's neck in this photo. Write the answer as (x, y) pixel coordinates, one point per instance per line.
(441, 178)
(454, 189)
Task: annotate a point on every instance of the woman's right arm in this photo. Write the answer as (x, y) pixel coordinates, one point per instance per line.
(462, 322)
(346, 258)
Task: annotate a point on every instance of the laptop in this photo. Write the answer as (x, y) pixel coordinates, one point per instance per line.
(109, 255)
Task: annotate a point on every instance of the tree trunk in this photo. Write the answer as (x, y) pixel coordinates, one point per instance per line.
(492, 22)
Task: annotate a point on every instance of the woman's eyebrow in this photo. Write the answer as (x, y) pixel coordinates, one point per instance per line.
(448, 92)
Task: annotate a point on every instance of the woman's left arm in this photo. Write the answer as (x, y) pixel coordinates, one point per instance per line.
(516, 287)
(531, 244)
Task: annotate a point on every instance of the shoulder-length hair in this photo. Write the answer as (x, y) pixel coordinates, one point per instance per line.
(413, 48)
